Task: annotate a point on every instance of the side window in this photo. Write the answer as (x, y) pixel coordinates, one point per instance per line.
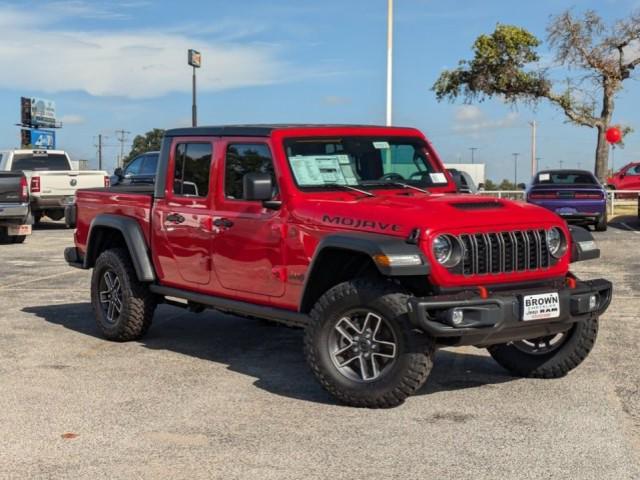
(635, 170)
(134, 166)
(242, 159)
(191, 169)
(149, 165)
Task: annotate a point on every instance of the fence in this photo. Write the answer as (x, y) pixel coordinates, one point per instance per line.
(622, 201)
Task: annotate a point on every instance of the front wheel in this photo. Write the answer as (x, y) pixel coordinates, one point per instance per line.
(361, 347)
(123, 306)
(551, 356)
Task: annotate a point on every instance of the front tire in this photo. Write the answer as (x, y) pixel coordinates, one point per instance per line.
(361, 347)
(123, 306)
(548, 357)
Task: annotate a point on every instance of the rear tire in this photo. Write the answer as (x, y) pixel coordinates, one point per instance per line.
(4, 236)
(384, 361)
(123, 306)
(18, 238)
(578, 341)
(601, 224)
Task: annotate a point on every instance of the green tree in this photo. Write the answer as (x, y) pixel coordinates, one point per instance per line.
(490, 185)
(599, 58)
(150, 141)
(507, 185)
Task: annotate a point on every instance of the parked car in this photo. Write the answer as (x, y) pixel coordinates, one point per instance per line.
(142, 169)
(354, 233)
(464, 182)
(627, 178)
(15, 221)
(51, 178)
(575, 195)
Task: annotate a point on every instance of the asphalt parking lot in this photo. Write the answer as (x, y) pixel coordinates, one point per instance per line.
(215, 396)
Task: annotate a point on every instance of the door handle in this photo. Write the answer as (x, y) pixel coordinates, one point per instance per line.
(175, 218)
(223, 222)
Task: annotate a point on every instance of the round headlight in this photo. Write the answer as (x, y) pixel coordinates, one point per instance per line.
(556, 242)
(442, 249)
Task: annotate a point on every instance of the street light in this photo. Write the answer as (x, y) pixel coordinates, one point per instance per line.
(473, 151)
(195, 60)
(389, 61)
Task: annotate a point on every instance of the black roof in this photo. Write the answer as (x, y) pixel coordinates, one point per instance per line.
(258, 130)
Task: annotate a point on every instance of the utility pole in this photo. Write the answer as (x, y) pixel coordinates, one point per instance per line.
(515, 164)
(534, 164)
(389, 60)
(99, 151)
(122, 138)
(561, 162)
(473, 151)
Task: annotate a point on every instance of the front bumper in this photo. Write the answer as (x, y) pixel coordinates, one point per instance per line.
(498, 318)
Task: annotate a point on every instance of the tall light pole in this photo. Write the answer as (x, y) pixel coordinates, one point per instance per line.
(473, 151)
(389, 60)
(515, 166)
(195, 60)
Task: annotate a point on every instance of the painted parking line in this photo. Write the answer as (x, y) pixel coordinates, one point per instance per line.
(33, 280)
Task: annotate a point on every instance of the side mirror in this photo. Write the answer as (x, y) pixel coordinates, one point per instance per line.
(522, 186)
(118, 172)
(257, 186)
(623, 174)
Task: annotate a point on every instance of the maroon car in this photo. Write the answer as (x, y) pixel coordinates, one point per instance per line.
(575, 195)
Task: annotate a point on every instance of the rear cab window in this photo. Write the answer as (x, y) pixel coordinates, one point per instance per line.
(40, 161)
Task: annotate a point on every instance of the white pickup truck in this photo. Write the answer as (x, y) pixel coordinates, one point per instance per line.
(51, 178)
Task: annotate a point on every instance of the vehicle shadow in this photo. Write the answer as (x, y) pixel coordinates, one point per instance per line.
(48, 224)
(624, 222)
(267, 351)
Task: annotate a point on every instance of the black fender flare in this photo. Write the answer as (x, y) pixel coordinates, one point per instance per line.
(133, 237)
(370, 244)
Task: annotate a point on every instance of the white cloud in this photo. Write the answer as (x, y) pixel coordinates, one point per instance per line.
(136, 64)
(471, 119)
(72, 119)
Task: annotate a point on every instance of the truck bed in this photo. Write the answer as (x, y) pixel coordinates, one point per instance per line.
(12, 207)
(128, 201)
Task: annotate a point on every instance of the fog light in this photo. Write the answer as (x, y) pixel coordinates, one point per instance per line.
(593, 302)
(457, 317)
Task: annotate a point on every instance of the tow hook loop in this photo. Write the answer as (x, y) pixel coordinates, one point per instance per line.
(571, 282)
(484, 293)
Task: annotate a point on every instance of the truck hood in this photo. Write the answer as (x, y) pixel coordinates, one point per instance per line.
(399, 214)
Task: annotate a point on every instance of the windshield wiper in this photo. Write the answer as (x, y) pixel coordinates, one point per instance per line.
(393, 182)
(349, 187)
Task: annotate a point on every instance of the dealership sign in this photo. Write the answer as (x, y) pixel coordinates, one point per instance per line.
(43, 139)
(37, 112)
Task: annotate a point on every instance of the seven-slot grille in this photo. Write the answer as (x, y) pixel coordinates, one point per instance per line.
(515, 251)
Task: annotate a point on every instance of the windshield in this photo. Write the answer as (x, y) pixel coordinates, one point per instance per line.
(30, 161)
(565, 178)
(362, 162)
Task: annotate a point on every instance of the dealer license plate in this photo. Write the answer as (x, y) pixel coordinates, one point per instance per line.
(542, 306)
(19, 230)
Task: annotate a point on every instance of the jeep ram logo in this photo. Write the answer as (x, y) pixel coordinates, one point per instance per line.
(73, 182)
(357, 223)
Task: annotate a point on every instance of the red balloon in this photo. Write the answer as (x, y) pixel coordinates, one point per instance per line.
(614, 135)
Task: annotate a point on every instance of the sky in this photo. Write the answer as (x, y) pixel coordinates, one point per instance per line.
(121, 65)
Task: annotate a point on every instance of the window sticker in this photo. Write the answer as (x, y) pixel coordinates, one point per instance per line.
(438, 177)
(381, 145)
(544, 177)
(322, 170)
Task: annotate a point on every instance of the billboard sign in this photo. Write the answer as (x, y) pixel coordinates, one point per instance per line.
(43, 112)
(45, 139)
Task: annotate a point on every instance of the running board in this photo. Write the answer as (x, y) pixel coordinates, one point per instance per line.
(293, 319)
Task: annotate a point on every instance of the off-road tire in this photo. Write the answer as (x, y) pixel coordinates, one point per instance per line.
(415, 350)
(601, 224)
(580, 340)
(138, 303)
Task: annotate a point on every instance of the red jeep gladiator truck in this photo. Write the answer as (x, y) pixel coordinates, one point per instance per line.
(354, 233)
